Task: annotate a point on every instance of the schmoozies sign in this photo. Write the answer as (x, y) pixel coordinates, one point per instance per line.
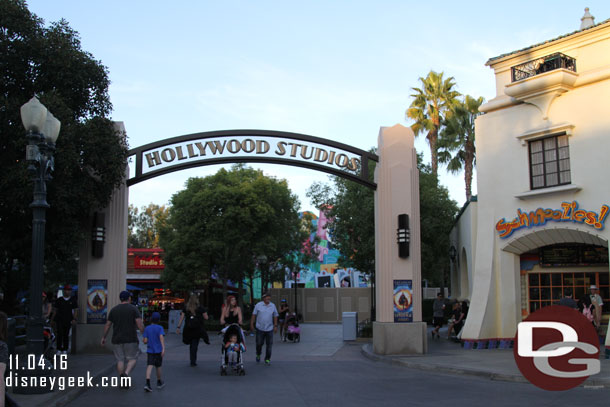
(264, 146)
(568, 212)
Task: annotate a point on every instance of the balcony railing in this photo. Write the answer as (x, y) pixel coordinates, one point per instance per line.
(544, 64)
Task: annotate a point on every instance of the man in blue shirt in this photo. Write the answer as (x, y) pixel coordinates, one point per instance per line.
(265, 316)
(153, 336)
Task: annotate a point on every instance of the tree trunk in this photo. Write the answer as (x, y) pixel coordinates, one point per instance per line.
(252, 292)
(468, 180)
(240, 293)
(468, 168)
(263, 278)
(225, 277)
(433, 141)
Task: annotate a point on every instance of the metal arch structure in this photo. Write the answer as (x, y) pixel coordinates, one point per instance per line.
(361, 177)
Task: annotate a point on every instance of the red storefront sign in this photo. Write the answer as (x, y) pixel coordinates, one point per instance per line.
(148, 262)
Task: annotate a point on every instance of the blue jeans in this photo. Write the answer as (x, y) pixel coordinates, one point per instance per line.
(261, 337)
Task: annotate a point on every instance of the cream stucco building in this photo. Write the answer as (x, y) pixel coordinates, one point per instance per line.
(537, 226)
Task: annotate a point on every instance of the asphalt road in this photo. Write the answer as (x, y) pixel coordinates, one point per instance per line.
(321, 371)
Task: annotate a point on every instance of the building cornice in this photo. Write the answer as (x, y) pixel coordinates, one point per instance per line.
(563, 43)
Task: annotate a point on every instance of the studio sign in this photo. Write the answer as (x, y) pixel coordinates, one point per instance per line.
(284, 149)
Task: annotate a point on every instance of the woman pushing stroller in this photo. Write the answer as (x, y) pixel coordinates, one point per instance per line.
(234, 342)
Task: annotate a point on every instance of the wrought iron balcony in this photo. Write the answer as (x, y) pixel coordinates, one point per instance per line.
(541, 65)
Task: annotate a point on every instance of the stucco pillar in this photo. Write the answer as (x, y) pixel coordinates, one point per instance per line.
(112, 266)
(397, 193)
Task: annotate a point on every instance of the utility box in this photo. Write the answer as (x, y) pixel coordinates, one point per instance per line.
(350, 326)
(172, 321)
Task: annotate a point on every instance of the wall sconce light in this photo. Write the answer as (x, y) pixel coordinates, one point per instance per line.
(403, 236)
(98, 235)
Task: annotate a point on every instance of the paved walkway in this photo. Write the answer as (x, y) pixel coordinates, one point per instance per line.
(496, 364)
(320, 352)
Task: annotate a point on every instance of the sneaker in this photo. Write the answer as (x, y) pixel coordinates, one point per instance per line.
(160, 384)
(258, 358)
(267, 362)
(147, 387)
(121, 381)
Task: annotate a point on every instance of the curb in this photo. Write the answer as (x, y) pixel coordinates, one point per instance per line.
(67, 397)
(367, 352)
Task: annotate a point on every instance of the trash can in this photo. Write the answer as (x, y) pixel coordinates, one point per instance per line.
(350, 326)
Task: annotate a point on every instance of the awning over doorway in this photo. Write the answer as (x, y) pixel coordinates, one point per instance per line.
(548, 237)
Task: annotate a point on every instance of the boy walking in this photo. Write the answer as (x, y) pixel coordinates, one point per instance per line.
(153, 337)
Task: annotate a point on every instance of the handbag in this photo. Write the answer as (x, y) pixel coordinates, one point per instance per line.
(204, 335)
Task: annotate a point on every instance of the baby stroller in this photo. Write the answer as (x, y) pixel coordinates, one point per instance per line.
(292, 331)
(238, 367)
(49, 340)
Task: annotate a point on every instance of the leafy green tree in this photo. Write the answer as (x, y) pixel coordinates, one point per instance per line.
(456, 144)
(222, 223)
(90, 157)
(429, 107)
(144, 225)
(437, 214)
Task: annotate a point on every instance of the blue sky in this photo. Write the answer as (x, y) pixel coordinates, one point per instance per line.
(333, 69)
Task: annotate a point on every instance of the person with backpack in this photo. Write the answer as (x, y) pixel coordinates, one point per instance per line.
(194, 329)
(587, 309)
(598, 303)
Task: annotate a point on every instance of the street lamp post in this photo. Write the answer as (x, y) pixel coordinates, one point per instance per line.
(42, 132)
(262, 261)
(296, 285)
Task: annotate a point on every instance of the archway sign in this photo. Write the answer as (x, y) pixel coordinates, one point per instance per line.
(398, 329)
(254, 146)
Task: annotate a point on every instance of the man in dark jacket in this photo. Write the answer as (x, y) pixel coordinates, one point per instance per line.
(567, 300)
(65, 312)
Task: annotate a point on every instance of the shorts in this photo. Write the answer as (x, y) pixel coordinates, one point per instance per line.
(126, 351)
(438, 321)
(154, 359)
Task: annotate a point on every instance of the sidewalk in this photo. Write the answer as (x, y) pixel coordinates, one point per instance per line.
(78, 365)
(496, 364)
(96, 365)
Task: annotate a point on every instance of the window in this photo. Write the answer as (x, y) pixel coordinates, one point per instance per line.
(548, 288)
(549, 162)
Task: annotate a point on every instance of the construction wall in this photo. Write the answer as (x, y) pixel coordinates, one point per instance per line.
(326, 304)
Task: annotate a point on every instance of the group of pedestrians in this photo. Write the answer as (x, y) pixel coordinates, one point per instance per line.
(459, 312)
(125, 320)
(590, 305)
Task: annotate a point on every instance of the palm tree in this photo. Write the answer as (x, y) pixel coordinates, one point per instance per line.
(456, 144)
(430, 104)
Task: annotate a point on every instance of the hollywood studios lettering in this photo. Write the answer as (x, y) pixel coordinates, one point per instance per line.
(233, 146)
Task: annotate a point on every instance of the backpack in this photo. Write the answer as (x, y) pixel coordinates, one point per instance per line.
(192, 322)
(586, 311)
